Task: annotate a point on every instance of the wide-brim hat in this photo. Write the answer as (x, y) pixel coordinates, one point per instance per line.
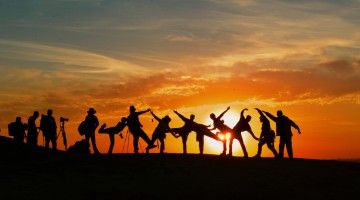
(91, 111)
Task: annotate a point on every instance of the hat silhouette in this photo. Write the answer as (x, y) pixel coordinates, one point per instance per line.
(91, 111)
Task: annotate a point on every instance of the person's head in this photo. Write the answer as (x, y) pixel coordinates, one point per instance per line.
(192, 117)
(248, 118)
(91, 111)
(167, 119)
(262, 119)
(36, 114)
(49, 112)
(279, 113)
(132, 109)
(212, 116)
(123, 119)
(18, 120)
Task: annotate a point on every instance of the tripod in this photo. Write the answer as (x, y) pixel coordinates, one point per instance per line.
(63, 133)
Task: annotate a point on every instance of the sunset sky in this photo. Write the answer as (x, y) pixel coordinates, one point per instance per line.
(302, 57)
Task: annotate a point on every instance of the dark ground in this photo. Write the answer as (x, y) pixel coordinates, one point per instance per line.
(43, 175)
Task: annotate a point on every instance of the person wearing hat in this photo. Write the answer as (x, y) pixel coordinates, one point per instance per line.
(160, 132)
(92, 123)
(135, 128)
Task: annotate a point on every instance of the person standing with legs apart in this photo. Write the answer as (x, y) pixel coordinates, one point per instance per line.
(135, 128)
(241, 126)
(267, 135)
(92, 123)
(48, 127)
(283, 129)
(160, 132)
(185, 130)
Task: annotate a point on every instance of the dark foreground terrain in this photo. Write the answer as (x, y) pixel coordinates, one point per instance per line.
(42, 175)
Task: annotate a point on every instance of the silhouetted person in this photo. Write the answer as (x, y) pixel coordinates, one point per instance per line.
(17, 130)
(283, 129)
(32, 136)
(200, 130)
(267, 135)
(92, 123)
(48, 127)
(185, 130)
(241, 126)
(220, 125)
(160, 132)
(112, 131)
(135, 128)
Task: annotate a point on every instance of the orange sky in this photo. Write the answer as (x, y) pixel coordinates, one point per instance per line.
(196, 57)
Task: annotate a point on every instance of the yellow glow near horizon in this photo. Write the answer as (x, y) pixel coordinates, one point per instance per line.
(230, 119)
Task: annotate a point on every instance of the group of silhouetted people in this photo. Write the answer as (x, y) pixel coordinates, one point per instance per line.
(88, 128)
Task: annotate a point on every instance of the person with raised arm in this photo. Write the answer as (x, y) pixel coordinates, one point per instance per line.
(135, 128)
(267, 135)
(219, 124)
(241, 126)
(185, 130)
(160, 132)
(283, 129)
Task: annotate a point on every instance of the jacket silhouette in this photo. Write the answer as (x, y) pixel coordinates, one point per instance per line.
(48, 128)
(283, 129)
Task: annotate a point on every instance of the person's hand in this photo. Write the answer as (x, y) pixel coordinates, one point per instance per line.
(299, 131)
(228, 108)
(246, 109)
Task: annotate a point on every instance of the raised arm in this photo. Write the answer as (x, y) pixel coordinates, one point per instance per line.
(260, 112)
(242, 112)
(223, 113)
(156, 117)
(180, 115)
(142, 112)
(272, 117)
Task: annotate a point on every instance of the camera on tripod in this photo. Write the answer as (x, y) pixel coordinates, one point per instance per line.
(62, 119)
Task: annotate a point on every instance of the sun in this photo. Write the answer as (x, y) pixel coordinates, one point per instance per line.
(231, 118)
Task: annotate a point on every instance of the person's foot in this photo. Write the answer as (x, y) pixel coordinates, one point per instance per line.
(223, 154)
(256, 156)
(245, 156)
(230, 155)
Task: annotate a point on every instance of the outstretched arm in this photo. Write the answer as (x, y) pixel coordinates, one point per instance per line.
(156, 117)
(260, 112)
(223, 113)
(252, 134)
(142, 112)
(180, 115)
(293, 124)
(272, 117)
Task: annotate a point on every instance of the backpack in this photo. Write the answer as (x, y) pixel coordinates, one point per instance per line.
(12, 129)
(82, 129)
